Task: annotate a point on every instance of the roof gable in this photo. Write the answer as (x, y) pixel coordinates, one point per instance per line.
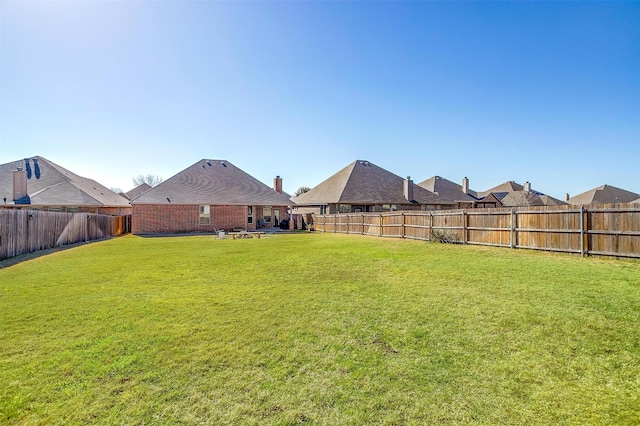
(215, 182)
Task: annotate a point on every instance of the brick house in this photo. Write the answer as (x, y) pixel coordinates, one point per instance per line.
(39, 184)
(208, 196)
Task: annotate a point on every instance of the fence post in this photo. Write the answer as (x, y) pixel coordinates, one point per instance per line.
(335, 223)
(513, 228)
(582, 231)
(362, 217)
(464, 227)
(430, 226)
(381, 221)
(402, 232)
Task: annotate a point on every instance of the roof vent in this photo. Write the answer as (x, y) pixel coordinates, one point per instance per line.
(27, 166)
(223, 164)
(208, 163)
(36, 166)
(168, 199)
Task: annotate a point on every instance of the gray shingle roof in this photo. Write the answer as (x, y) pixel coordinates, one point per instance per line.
(48, 184)
(138, 190)
(604, 194)
(215, 182)
(362, 182)
(447, 190)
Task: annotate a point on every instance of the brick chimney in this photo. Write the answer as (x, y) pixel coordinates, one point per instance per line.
(19, 184)
(527, 186)
(408, 188)
(465, 185)
(277, 184)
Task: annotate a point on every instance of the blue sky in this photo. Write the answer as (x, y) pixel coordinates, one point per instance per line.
(546, 92)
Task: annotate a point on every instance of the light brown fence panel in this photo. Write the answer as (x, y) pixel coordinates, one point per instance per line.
(611, 230)
(416, 225)
(342, 223)
(448, 222)
(489, 227)
(392, 225)
(26, 231)
(371, 224)
(11, 232)
(614, 230)
(548, 229)
(355, 222)
(319, 222)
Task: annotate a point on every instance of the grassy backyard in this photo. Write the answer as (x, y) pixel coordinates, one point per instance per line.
(319, 329)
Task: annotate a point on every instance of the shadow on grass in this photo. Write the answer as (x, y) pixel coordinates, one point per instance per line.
(5, 263)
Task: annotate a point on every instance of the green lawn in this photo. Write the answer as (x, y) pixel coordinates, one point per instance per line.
(320, 329)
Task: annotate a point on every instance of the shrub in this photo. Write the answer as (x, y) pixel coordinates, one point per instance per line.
(444, 236)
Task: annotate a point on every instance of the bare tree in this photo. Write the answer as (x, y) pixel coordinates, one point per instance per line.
(151, 180)
(302, 190)
(116, 189)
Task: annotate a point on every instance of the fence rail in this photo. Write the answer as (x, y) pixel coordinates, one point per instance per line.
(27, 231)
(606, 230)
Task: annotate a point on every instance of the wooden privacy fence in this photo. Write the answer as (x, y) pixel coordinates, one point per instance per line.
(607, 230)
(26, 231)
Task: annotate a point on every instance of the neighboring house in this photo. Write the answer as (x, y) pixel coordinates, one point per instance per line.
(459, 195)
(137, 191)
(512, 194)
(208, 196)
(38, 184)
(364, 187)
(604, 194)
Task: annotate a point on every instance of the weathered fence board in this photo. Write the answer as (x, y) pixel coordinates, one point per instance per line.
(27, 231)
(609, 230)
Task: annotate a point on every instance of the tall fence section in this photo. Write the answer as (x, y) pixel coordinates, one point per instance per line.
(606, 230)
(27, 231)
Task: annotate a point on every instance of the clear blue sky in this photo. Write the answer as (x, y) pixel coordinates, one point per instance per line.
(547, 92)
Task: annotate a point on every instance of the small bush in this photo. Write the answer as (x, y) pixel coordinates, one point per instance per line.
(446, 236)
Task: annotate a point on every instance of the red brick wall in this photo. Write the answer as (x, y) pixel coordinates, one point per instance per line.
(167, 218)
(115, 211)
(150, 219)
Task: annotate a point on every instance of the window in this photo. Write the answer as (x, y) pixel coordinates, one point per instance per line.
(344, 208)
(249, 214)
(205, 215)
(389, 207)
(266, 213)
